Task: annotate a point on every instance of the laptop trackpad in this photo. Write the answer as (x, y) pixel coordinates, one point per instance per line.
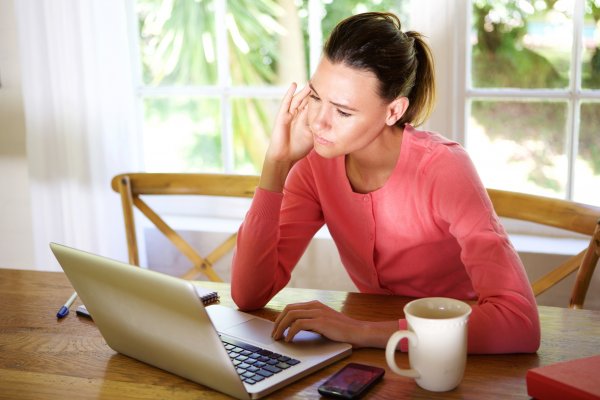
(257, 329)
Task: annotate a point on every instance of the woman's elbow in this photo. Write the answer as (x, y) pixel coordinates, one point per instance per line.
(245, 300)
(525, 337)
(532, 338)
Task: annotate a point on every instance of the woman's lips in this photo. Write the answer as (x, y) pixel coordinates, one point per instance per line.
(322, 140)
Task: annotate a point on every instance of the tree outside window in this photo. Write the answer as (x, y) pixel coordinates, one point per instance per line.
(534, 115)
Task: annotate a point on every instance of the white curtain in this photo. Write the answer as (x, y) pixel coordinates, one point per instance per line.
(80, 118)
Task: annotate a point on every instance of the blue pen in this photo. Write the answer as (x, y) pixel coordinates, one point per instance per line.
(64, 310)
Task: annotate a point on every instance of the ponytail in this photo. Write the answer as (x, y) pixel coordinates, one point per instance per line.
(422, 95)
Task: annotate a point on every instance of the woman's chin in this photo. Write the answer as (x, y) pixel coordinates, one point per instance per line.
(325, 151)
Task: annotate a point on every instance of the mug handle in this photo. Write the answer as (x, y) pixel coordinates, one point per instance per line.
(390, 352)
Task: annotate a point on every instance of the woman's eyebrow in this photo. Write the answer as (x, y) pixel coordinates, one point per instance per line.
(340, 105)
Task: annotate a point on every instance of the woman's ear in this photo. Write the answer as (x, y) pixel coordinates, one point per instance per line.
(396, 110)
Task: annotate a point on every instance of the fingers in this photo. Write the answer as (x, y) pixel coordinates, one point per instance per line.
(292, 102)
(299, 100)
(287, 99)
(290, 319)
(303, 115)
(308, 324)
(292, 314)
(297, 306)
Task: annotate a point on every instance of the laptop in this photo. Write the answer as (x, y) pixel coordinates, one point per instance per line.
(160, 320)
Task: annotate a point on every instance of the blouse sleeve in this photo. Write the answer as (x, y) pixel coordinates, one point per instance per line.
(505, 318)
(273, 236)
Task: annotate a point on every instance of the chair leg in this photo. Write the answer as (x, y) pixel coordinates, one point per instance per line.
(127, 201)
(586, 270)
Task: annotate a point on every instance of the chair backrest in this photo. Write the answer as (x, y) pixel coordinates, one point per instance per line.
(563, 214)
(132, 186)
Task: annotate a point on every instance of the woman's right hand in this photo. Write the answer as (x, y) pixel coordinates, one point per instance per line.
(291, 139)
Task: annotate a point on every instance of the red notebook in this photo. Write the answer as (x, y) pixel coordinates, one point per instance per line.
(577, 379)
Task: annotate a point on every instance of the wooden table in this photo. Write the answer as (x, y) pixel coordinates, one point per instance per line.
(45, 358)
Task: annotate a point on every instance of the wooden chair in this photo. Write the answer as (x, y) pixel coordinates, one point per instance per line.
(132, 186)
(567, 215)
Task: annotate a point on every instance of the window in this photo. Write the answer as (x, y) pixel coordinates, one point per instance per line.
(533, 96)
(212, 74)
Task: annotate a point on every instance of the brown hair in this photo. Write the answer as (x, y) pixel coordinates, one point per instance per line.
(402, 62)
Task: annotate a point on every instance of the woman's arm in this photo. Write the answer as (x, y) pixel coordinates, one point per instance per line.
(291, 140)
(276, 231)
(269, 246)
(505, 318)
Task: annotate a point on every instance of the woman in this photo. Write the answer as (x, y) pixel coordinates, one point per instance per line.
(406, 208)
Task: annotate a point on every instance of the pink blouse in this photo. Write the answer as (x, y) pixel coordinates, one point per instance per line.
(429, 231)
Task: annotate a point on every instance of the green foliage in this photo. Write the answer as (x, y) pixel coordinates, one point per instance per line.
(533, 122)
(501, 60)
(179, 48)
(589, 138)
(337, 10)
(177, 42)
(499, 57)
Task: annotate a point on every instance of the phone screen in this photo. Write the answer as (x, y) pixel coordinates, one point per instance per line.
(351, 381)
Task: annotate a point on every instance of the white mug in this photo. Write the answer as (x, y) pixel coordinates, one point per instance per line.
(437, 342)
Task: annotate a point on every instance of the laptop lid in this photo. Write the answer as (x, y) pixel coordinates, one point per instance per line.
(160, 320)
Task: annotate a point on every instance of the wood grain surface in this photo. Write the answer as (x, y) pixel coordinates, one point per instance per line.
(45, 358)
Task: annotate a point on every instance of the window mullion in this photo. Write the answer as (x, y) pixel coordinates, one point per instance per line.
(574, 103)
(136, 73)
(462, 74)
(315, 33)
(224, 79)
(577, 50)
(520, 93)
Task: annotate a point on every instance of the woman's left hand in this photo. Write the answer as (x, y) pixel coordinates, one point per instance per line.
(316, 317)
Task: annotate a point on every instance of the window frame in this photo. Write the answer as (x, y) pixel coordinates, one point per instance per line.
(183, 213)
(573, 94)
(223, 91)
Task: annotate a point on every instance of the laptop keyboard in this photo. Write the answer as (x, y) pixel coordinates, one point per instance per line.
(254, 364)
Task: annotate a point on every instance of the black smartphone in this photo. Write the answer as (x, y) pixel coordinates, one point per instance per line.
(352, 381)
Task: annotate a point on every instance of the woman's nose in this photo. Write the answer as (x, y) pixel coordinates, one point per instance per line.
(321, 119)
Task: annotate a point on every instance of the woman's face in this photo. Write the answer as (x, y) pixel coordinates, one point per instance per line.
(345, 113)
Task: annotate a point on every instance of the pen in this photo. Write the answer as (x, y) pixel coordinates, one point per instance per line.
(64, 310)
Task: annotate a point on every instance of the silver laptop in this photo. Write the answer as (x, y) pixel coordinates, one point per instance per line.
(160, 320)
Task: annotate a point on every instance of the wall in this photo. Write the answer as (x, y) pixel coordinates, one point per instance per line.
(16, 239)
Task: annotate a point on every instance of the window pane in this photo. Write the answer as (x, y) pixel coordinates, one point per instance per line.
(519, 145)
(266, 42)
(252, 122)
(521, 44)
(590, 71)
(177, 42)
(182, 134)
(587, 168)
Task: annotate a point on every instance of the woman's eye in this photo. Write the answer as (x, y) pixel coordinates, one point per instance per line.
(314, 97)
(343, 114)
